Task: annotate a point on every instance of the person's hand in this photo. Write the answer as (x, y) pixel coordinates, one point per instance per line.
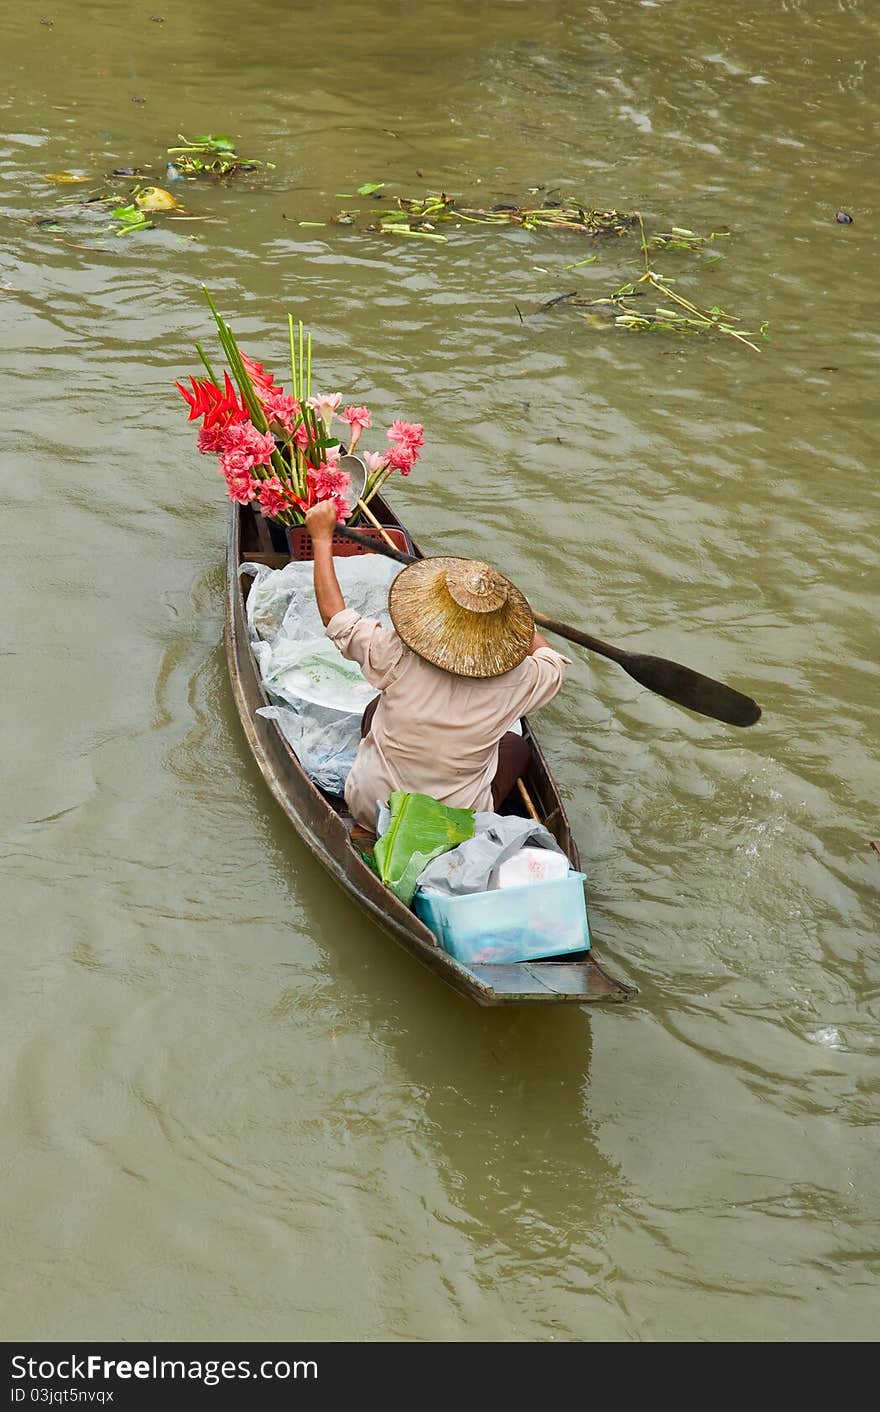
(321, 521)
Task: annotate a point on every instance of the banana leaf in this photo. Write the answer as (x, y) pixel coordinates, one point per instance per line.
(420, 829)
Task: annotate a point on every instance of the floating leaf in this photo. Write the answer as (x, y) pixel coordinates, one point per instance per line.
(219, 143)
(66, 178)
(369, 187)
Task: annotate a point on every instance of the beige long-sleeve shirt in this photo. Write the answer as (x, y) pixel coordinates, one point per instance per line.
(433, 732)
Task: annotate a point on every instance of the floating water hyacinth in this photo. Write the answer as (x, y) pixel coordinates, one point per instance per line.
(280, 448)
(122, 215)
(210, 155)
(207, 155)
(687, 317)
(417, 216)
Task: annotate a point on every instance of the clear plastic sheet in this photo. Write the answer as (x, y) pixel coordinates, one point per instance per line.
(312, 671)
(282, 601)
(325, 750)
(318, 697)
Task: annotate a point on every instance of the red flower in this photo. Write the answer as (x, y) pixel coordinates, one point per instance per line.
(218, 406)
(263, 382)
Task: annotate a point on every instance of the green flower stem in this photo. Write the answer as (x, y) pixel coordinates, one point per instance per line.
(293, 384)
(239, 371)
(381, 478)
(204, 357)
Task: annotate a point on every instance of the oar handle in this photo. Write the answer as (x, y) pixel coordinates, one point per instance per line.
(595, 644)
(378, 545)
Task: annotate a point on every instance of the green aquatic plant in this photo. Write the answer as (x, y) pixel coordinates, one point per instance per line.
(130, 218)
(419, 215)
(211, 155)
(687, 317)
(429, 217)
(678, 238)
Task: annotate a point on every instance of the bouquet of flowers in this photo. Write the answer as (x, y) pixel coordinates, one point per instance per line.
(280, 448)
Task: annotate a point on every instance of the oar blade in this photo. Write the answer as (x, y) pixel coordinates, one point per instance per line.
(691, 689)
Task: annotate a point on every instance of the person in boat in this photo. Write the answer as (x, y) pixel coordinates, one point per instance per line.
(463, 664)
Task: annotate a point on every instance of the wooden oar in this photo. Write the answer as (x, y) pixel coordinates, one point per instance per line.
(677, 683)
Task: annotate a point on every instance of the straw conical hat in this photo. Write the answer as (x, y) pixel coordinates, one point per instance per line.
(461, 615)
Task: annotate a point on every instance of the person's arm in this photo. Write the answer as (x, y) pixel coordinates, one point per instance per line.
(377, 651)
(320, 523)
(540, 675)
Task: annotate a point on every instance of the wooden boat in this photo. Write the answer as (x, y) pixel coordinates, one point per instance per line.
(324, 824)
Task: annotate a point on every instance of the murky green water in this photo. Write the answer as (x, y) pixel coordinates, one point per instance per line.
(231, 1108)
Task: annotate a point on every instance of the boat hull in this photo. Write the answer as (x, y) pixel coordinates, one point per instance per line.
(323, 825)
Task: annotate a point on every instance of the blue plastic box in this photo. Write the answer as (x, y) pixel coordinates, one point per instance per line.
(511, 923)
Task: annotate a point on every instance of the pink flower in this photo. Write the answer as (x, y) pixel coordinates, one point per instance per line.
(210, 439)
(241, 487)
(280, 408)
(235, 463)
(328, 483)
(343, 509)
(358, 419)
(374, 462)
(273, 497)
(262, 444)
(411, 434)
(326, 405)
(244, 437)
(402, 458)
